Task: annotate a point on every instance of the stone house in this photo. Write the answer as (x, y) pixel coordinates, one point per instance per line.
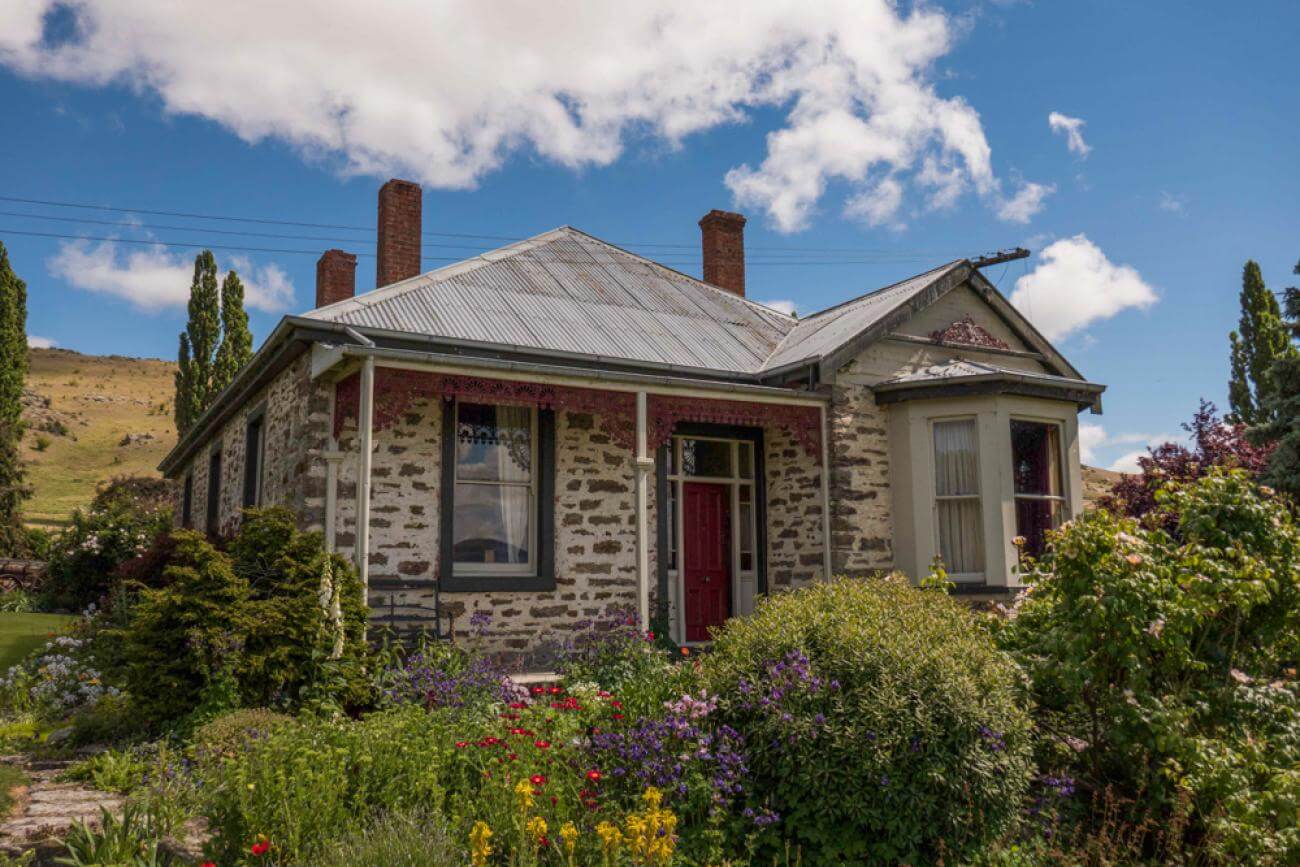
(560, 425)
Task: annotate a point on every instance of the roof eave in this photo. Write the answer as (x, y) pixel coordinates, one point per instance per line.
(1087, 395)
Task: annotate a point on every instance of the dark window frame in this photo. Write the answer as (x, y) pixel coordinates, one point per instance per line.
(256, 424)
(752, 435)
(187, 502)
(544, 580)
(212, 516)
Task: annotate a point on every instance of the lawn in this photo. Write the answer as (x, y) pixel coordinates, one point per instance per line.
(20, 634)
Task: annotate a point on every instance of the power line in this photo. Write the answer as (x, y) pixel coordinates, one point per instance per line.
(859, 251)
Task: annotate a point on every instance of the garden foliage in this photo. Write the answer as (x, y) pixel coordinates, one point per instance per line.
(881, 725)
(252, 626)
(1163, 660)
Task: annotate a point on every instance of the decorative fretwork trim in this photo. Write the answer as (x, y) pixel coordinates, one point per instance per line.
(965, 332)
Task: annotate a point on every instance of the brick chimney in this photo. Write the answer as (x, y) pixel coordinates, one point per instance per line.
(722, 235)
(336, 277)
(399, 232)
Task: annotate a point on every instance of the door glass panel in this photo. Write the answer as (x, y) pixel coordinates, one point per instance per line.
(711, 458)
(670, 515)
(746, 529)
(746, 460)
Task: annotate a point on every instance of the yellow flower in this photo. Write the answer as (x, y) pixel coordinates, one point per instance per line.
(524, 795)
(480, 848)
(610, 837)
(653, 798)
(537, 827)
(569, 834)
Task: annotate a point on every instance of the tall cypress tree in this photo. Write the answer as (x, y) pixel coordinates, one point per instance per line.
(201, 335)
(183, 406)
(1259, 341)
(1283, 425)
(13, 374)
(236, 340)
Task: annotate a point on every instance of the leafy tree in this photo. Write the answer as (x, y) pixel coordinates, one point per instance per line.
(13, 373)
(1283, 427)
(1215, 443)
(202, 332)
(236, 340)
(1259, 341)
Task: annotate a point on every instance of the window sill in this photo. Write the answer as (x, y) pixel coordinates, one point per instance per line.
(976, 588)
(485, 583)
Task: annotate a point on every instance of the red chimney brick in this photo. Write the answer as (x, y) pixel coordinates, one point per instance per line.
(399, 232)
(722, 235)
(336, 277)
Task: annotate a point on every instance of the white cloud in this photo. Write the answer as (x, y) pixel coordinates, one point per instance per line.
(782, 306)
(153, 278)
(1093, 440)
(878, 205)
(445, 92)
(1027, 202)
(1172, 202)
(1127, 462)
(35, 342)
(1074, 285)
(1072, 128)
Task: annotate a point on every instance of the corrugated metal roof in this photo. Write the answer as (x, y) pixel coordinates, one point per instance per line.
(821, 333)
(565, 291)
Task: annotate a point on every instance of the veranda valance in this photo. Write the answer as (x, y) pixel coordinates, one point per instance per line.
(397, 390)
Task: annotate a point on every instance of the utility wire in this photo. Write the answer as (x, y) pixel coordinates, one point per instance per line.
(858, 251)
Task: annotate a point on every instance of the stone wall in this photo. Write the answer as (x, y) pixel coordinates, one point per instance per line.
(795, 544)
(290, 440)
(595, 537)
(861, 507)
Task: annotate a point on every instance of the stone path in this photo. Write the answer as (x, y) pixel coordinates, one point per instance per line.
(48, 808)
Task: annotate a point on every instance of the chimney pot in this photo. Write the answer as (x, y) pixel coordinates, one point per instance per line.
(336, 277)
(400, 216)
(722, 237)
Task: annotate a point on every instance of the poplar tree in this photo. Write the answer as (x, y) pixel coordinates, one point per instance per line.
(183, 405)
(201, 333)
(236, 340)
(13, 374)
(1259, 341)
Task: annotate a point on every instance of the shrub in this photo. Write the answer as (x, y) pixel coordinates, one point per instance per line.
(54, 682)
(122, 521)
(1138, 640)
(301, 786)
(225, 736)
(881, 723)
(404, 839)
(439, 674)
(613, 653)
(277, 620)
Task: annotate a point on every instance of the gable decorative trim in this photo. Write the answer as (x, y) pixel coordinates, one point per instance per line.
(965, 332)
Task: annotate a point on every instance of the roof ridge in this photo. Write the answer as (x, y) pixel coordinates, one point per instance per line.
(725, 292)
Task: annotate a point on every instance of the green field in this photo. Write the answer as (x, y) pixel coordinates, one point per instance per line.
(20, 634)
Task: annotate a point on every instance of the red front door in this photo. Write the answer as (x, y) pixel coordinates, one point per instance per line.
(706, 555)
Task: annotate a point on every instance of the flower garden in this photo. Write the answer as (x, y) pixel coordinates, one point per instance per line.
(1138, 705)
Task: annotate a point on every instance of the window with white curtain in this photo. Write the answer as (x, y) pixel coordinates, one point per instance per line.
(494, 520)
(957, 497)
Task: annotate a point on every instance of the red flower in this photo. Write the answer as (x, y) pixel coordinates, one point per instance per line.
(518, 705)
(512, 756)
(617, 716)
(537, 690)
(594, 775)
(542, 745)
(518, 731)
(491, 741)
(208, 864)
(537, 779)
(556, 690)
(260, 848)
(460, 745)
(543, 841)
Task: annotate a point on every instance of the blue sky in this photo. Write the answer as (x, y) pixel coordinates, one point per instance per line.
(909, 136)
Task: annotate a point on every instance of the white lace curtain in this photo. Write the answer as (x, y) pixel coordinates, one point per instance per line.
(956, 470)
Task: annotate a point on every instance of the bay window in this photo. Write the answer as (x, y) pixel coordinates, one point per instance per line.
(1039, 493)
(957, 497)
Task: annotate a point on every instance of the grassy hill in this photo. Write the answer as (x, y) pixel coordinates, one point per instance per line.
(90, 418)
